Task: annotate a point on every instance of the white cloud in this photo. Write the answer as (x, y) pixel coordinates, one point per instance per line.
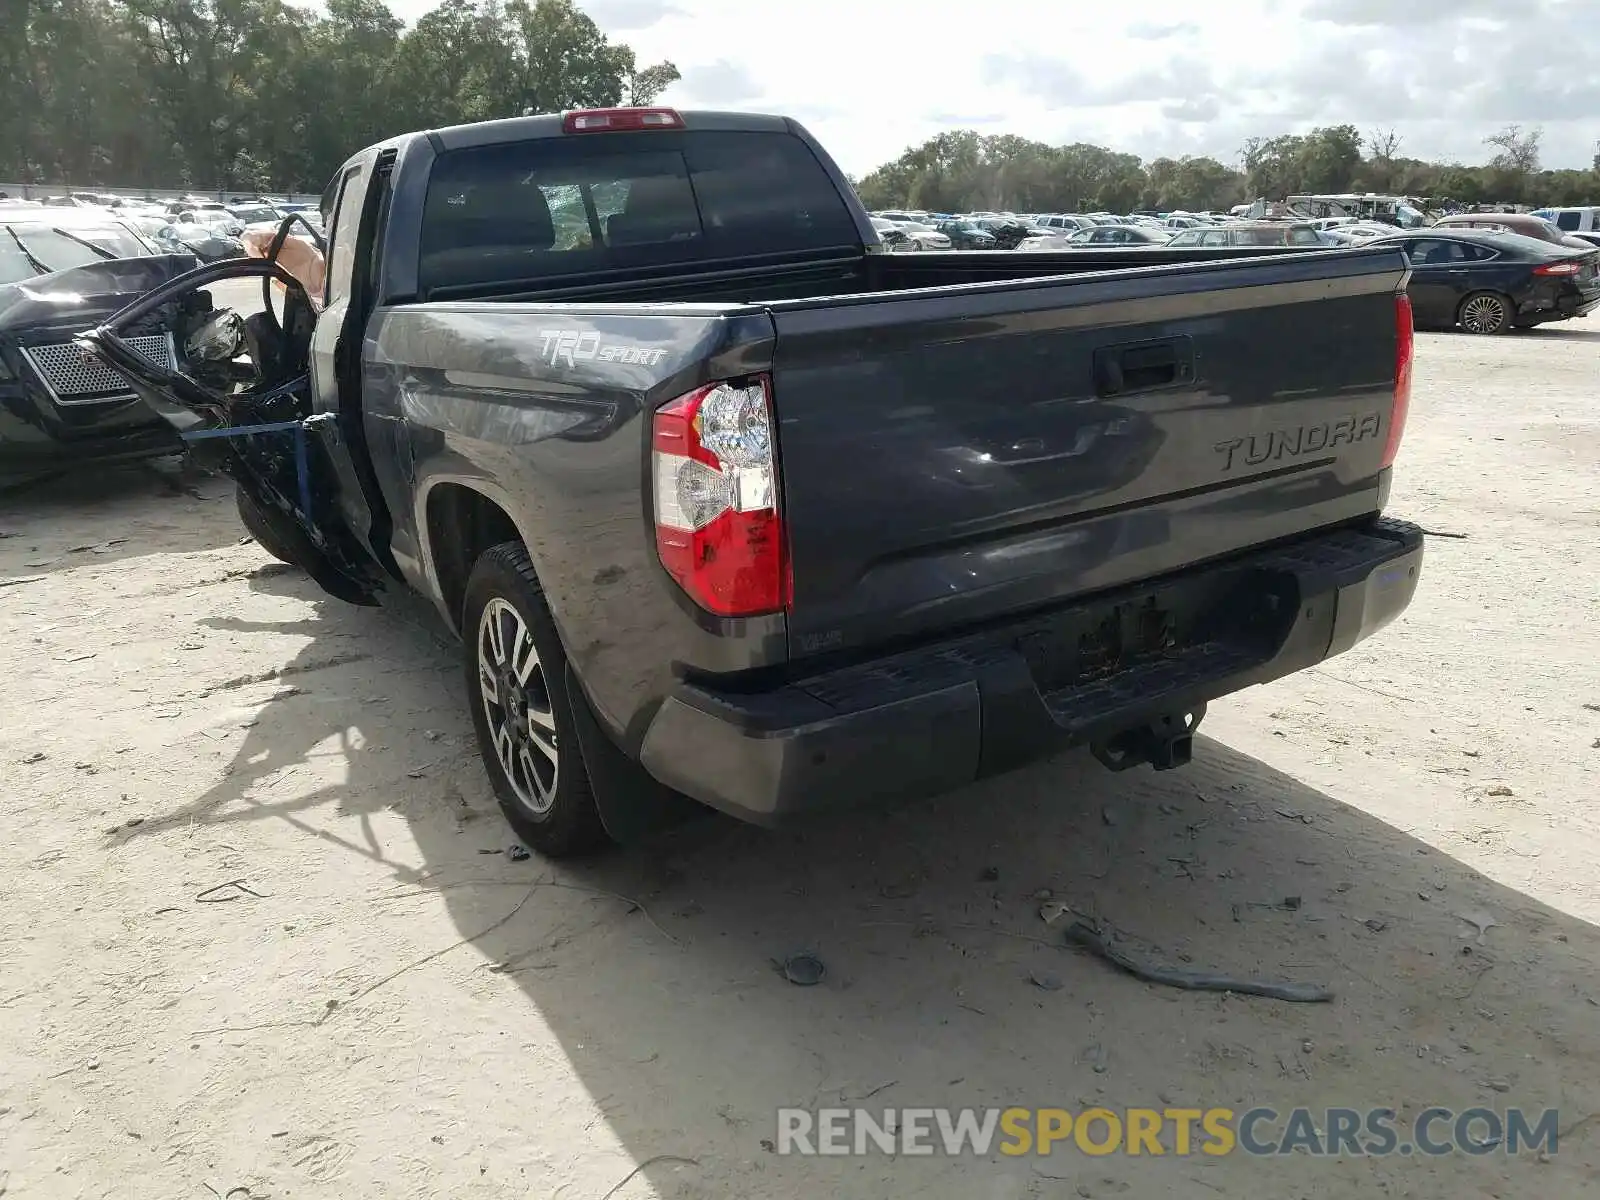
(870, 80)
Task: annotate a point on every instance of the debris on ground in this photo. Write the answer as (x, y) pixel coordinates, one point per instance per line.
(1480, 921)
(1095, 1055)
(1045, 981)
(1097, 943)
(1052, 911)
(803, 970)
(222, 893)
(1287, 904)
(519, 853)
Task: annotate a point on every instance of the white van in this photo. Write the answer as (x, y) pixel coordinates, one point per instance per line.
(1572, 220)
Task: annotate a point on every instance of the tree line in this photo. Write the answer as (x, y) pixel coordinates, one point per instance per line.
(266, 95)
(250, 95)
(962, 171)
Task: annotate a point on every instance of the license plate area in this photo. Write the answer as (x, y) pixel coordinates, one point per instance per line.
(1246, 610)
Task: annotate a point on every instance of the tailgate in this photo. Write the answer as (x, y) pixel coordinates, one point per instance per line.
(955, 454)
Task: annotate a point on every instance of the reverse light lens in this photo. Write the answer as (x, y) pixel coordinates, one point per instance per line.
(734, 426)
(718, 531)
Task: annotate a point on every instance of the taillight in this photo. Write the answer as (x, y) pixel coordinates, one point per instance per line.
(1564, 267)
(1404, 342)
(718, 530)
(611, 120)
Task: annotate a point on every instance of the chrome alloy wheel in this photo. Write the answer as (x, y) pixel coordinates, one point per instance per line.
(516, 701)
(1484, 314)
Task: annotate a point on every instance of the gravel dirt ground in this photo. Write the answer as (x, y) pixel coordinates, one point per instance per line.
(261, 930)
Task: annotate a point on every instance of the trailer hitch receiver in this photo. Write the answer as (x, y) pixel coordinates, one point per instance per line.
(1165, 743)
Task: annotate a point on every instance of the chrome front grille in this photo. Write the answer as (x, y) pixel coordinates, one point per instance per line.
(76, 378)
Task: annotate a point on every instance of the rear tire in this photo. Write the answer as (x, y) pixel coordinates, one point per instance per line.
(516, 676)
(1487, 314)
(257, 526)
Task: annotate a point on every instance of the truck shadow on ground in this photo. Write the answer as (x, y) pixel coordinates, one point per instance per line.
(111, 513)
(654, 966)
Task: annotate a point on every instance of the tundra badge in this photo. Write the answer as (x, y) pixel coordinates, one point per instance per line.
(1279, 444)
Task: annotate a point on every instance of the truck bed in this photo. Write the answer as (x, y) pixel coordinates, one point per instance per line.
(846, 272)
(966, 436)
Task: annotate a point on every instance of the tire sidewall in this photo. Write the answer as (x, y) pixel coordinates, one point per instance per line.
(571, 824)
(256, 525)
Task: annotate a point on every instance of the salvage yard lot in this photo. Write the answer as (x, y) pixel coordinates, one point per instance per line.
(261, 930)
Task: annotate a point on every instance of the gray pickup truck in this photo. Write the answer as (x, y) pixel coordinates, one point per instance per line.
(725, 502)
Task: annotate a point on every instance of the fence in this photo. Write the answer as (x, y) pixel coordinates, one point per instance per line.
(42, 191)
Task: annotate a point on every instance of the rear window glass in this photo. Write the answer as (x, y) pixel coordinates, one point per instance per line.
(526, 211)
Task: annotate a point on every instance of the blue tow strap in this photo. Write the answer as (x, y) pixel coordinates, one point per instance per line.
(302, 469)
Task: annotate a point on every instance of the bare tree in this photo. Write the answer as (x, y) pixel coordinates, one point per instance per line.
(1516, 149)
(1384, 144)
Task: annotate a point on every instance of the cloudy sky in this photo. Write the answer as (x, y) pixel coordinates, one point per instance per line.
(872, 77)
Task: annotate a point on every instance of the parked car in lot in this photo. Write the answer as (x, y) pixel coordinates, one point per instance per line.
(725, 505)
(62, 271)
(1062, 223)
(1256, 233)
(891, 235)
(207, 241)
(924, 237)
(1489, 282)
(1100, 237)
(1585, 219)
(1525, 224)
(1345, 235)
(1008, 232)
(967, 235)
(255, 214)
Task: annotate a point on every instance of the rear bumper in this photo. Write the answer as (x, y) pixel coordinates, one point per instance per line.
(1583, 304)
(1569, 303)
(939, 716)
